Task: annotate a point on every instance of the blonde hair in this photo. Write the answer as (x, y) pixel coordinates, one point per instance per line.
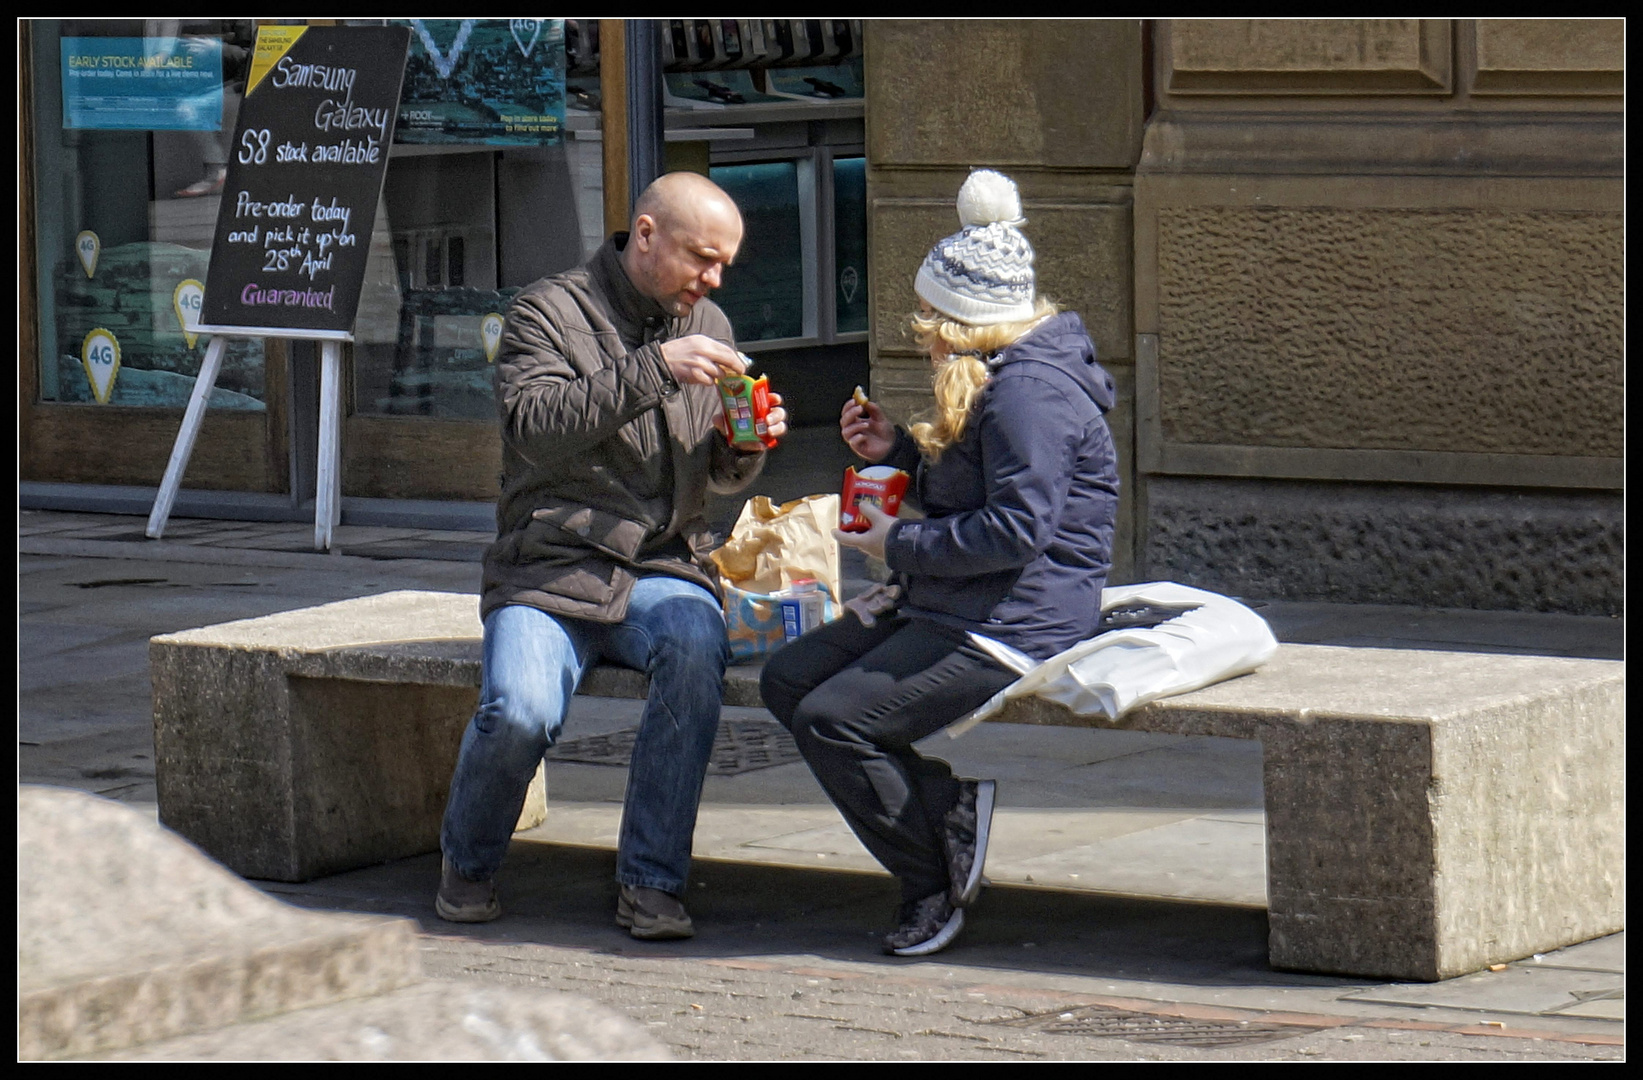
(961, 375)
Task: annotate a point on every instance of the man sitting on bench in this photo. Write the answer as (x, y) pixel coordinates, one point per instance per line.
(613, 439)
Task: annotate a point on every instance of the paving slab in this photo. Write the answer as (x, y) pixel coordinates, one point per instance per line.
(1517, 989)
(84, 708)
(1192, 771)
(183, 607)
(115, 656)
(1191, 858)
(26, 527)
(166, 551)
(1119, 850)
(114, 527)
(785, 966)
(1603, 1008)
(50, 637)
(1602, 954)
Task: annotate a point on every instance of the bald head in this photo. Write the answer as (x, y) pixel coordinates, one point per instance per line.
(685, 231)
(675, 197)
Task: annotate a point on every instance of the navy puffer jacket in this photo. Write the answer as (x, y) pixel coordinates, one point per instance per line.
(1017, 538)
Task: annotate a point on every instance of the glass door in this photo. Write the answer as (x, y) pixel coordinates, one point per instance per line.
(492, 184)
(128, 123)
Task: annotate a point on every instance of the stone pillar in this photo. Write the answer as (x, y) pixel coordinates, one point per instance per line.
(1379, 311)
(1057, 105)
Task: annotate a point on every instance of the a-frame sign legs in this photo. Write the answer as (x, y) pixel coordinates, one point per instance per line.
(192, 419)
(328, 493)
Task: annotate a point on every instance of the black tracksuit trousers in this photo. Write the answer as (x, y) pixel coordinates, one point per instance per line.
(856, 700)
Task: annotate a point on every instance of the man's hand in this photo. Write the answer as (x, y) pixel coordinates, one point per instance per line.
(872, 541)
(866, 430)
(700, 360)
(776, 420)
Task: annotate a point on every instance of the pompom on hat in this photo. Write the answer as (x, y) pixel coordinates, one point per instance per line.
(982, 274)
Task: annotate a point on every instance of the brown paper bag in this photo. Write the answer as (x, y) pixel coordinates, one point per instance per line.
(769, 548)
(772, 546)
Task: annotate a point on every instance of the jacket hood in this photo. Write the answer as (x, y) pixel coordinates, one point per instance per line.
(1062, 342)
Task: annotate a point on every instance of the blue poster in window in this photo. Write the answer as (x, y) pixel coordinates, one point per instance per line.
(498, 82)
(142, 84)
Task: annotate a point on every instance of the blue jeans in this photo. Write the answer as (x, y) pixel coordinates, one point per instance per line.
(675, 633)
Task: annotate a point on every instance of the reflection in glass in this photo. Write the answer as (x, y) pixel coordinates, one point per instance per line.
(763, 293)
(124, 214)
(850, 243)
(431, 279)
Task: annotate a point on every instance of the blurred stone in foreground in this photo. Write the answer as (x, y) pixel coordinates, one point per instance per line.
(131, 942)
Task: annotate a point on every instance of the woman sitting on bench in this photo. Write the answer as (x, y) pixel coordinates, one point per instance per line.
(1016, 474)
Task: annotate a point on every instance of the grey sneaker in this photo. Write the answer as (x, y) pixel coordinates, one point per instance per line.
(927, 926)
(461, 900)
(965, 834)
(652, 915)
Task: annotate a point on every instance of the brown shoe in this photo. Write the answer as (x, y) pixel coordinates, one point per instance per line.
(652, 915)
(461, 900)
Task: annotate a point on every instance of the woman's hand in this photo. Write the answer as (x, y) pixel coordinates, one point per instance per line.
(873, 540)
(867, 431)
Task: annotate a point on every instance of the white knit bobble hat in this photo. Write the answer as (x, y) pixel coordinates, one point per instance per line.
(982, 274)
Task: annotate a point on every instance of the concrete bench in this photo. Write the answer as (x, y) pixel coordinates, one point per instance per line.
(1427, 813)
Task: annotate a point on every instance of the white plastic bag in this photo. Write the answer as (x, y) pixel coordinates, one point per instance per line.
(1112, 673)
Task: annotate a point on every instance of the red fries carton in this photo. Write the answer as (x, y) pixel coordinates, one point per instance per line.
(878, 484)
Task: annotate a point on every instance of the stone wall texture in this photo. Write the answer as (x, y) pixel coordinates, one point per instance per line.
(1464, 330)
(1059, 105)
(1387, 254)
(1058, 92)
(1081, 260)
(1419, 545)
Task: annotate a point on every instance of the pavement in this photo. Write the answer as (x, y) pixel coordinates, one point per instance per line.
(1125, 921)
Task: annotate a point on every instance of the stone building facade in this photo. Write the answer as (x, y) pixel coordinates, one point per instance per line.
(1360, 283)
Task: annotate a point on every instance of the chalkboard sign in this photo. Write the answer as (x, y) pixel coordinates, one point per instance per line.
(305, 172)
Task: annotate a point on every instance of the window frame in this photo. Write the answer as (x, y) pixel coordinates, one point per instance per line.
(818, 257)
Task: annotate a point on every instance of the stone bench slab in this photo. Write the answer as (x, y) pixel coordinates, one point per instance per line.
(1428, 813)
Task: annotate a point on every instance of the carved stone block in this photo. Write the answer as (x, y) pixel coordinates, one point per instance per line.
(1308, 56)
(1065, 93)
(1450, 330)
(1551, 56)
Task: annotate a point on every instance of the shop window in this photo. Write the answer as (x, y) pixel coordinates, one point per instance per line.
(132, 121)
(850, 243)
(419, 342)
(763, 293)
(800, 277)
(484, 195)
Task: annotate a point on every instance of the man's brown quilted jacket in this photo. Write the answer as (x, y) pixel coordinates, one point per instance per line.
(607, 463)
